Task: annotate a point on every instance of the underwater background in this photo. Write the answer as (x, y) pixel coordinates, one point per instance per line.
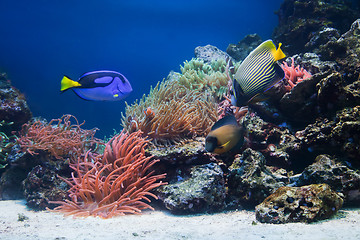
(41, 41)
(269, 125)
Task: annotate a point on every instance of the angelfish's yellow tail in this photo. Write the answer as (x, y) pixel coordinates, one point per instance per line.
(67, 83)
(279, 54)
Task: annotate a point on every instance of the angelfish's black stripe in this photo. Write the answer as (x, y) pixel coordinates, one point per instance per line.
(262, 84)
(252, 68)
(257, 73)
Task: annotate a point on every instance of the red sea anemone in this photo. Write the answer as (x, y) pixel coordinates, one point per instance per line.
(60, 137)
(294, 74)
(115, 183)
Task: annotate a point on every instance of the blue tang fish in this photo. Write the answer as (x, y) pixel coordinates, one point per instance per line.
(99, 86)
(257, 73)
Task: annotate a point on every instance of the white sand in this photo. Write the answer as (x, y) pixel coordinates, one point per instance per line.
(161, 225)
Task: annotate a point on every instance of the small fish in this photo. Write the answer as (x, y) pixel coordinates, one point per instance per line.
(99, 86)
(257, 74)
(225, 135)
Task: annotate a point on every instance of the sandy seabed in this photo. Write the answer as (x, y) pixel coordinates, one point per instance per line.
(162, 225)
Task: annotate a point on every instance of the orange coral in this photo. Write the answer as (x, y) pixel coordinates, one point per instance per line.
(59, 137)
(114, 183)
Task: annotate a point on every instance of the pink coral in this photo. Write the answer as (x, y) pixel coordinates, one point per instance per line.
(293, 74)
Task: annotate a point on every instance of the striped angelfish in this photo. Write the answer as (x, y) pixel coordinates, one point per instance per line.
(257, 73)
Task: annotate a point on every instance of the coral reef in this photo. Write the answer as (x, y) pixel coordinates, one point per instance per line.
(250, 181)
(42, 186)
(304, 204)
(345, 51)
(286, 133)
(300, 20)
(336, 174)
(179, 108)
(274, 142)
(6, 144)
(115, 183)
(44, 149)
(187, 152)
(340, 137)
(283, 135)
(210, 54)
(312, 114)
(13, 106)
(202, 191)
(293, 74)
(240, 50)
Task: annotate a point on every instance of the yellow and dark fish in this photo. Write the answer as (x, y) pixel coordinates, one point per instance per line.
(257, 73)
(225, 135)
(99, 86)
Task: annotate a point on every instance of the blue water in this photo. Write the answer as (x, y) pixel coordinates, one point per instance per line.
(42, 40)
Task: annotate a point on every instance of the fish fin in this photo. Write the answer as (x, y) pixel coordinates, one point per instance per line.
(67, 83)
(267, 45)
(279, 54)
(257, 98)
(279, 72)
(116, 93)
(279, 75)
(238, 94)
(224, 145)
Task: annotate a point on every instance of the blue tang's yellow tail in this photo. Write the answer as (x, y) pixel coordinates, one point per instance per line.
(67, 83)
